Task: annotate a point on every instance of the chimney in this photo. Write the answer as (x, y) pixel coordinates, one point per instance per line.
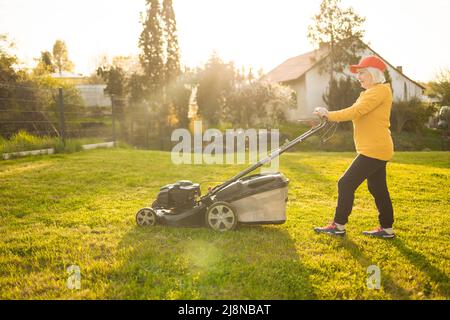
(400, 68)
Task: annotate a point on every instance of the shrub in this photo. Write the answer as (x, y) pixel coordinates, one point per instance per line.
(410, 115)
(23, 141)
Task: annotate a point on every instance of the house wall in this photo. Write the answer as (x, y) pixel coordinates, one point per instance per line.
(309, 90)
(300, 89)
(403, 88)
(316, 86)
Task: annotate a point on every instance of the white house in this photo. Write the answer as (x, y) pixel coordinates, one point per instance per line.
(94, 95)
(302, 74)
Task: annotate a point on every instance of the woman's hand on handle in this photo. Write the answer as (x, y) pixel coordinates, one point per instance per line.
(321, 112)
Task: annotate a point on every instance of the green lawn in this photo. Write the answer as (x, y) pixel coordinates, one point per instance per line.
(79, 209)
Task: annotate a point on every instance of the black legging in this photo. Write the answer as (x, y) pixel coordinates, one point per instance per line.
(374, 171)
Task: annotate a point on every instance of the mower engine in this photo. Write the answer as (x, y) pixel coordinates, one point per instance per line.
(179, 195)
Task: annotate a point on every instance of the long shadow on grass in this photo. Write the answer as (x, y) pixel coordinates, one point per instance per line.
(420, 261)
(186, 263)
(389, 285)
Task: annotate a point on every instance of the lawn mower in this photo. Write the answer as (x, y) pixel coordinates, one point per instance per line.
(253, 199)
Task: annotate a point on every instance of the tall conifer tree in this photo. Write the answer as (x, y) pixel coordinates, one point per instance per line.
(151, 44)
(172, 69)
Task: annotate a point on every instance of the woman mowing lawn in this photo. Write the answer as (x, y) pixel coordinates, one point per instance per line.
(370, 115)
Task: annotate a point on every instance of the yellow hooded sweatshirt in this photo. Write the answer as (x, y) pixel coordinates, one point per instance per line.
(371, 121)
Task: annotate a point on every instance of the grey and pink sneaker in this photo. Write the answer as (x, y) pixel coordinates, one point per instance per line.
(379, 233)
(330, 229)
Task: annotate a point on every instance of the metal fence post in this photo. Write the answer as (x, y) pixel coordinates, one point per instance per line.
(62, 123)
(113, 113)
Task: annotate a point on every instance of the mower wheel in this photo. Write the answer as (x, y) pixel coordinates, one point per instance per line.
(146, 217)
(221, 216)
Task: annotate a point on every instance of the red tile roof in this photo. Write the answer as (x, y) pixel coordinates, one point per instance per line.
(295, 67)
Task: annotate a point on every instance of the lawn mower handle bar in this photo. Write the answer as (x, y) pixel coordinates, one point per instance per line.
(272, 155)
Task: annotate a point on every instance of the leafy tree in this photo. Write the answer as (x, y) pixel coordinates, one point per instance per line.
(61, 57)
(440, 88)
(114, 78)
(9, 79)
(244, 105)
(280, 99)
(46, 58)
(340, 30)
(410, 115)
(257, 104)
(8, 75)
(214, 81)
(45, 64)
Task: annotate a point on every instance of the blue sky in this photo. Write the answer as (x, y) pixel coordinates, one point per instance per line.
(261, 33)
